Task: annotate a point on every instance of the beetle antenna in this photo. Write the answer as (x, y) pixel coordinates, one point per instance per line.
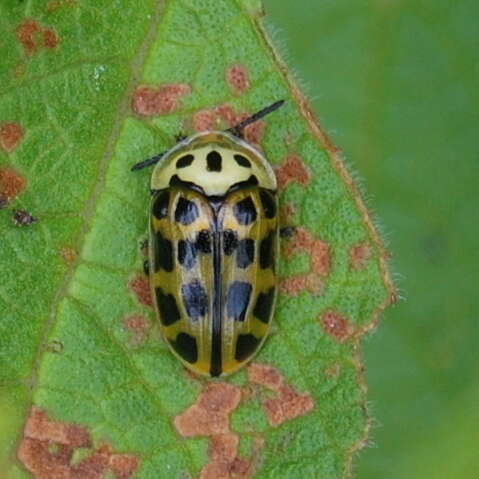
(237, 129)
(148, 162)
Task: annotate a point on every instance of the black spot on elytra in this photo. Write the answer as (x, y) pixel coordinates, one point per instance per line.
(185, 345)
(184, 161)
(203, 241)
(186, 211)
(245, 346)
(195, 299)
(266, 251)
(213, 161)
(163, 256)
(187, 253)
(160, 205)
(242, 161)
(269, 204)
(245, 253)
(167, 307)
(230, 241)
(245, 211)
(237, 300)
(264, 305)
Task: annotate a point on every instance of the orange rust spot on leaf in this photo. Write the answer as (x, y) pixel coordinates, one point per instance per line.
(204, 120)
(210, 415)
(123, 465)
(11, 183)
(288, 404)
(40, 427)
(149, 101)
(10, 135)
(253, 133)
(139, 326)
(140, 285)
(336, 325)
(44, 461)
(224, 115)
(267, 376)
(34, 36)
(359, 255)
(50, 38)
(296, 284)
(222, 452)
(238, 78)
(26, 33)
(54, 5)
(68, 254)
(292, 170)
(304, 241)
(224, 463)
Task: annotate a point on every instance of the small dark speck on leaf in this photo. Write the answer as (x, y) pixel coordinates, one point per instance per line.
(23, 218)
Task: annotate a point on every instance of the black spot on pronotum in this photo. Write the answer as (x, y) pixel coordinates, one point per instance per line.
(175, 180)
(213, 161)
(163, 253)
(250, 182)
(245, 253)
(245, 211)
(185, 345)
(245, 346)
(242, 161)
(264, 305)
(230, 241)
(203, 241)
(266, 251)
(269, 204)
(195, 299)
(186, 211)
(167, 307)
(237, 300)
(160, 205)
(187, 253)
(184, 161)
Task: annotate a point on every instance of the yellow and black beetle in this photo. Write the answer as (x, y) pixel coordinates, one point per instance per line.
(213, 247)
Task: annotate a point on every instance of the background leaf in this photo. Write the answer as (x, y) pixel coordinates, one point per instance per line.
(89, 89)
(396, 85)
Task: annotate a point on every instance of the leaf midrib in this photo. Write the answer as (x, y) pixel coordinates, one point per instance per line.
(88, 213)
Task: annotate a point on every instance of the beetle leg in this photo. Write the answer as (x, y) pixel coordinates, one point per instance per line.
(287, 231)
(180, 137)
(144, 245)
(146, 267)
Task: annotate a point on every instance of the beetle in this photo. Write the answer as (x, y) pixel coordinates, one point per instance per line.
(213, 247)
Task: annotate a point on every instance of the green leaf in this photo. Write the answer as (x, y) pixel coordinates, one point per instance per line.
(88, 90)
(396, 82)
